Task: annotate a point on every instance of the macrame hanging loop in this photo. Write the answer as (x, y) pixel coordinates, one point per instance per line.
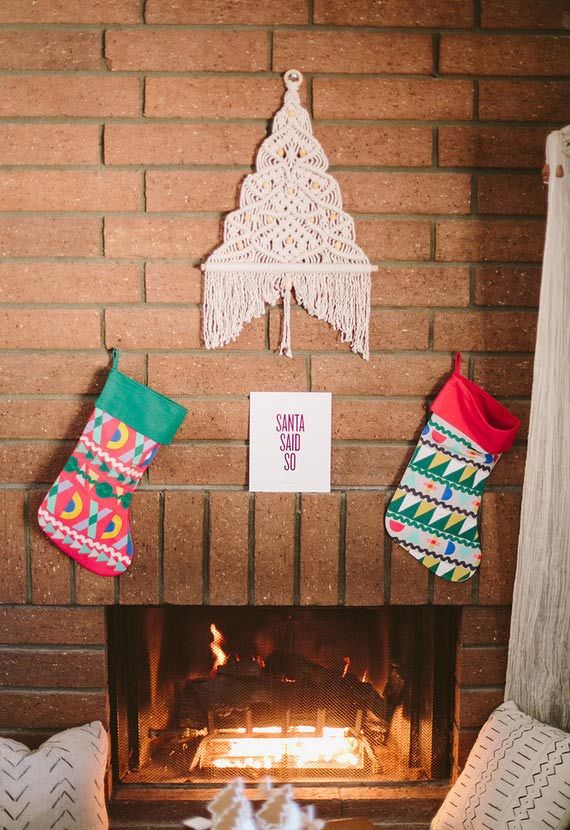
(289, 234)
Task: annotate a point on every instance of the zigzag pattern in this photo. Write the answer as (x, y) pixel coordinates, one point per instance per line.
(426, 552)
(439, 533)
(46, 518)
(109, 459)
(441, 449)
(433, 500)
(535, 788)
(418, 469)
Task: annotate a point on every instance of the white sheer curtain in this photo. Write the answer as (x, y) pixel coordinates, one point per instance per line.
(538, 673)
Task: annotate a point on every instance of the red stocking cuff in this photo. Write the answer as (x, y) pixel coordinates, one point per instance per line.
(476, 413)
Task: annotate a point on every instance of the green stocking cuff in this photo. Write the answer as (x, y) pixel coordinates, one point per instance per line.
(141, 408)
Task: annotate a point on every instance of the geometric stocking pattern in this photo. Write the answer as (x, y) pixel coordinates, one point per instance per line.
(434, 511)
(85, 513)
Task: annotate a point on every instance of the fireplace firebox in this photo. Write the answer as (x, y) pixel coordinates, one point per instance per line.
(305, 695)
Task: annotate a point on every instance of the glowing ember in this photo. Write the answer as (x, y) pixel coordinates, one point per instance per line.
(346, 666)
(301, 747)
(220, 656)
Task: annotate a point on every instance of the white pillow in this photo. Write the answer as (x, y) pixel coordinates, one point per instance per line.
(517, 777)
(60, 785)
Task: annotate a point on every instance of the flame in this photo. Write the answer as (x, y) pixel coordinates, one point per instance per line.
(364, 678)
(301, 747)
(346, 666)
(220, 656)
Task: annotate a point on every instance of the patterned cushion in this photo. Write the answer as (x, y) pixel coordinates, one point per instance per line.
(59, 786)
(517, 777)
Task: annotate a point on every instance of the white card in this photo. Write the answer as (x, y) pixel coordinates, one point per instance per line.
(290, 442)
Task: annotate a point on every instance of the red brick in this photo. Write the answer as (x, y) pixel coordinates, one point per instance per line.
(173, 282)
(53, 329)
(213, 97)
(473, 706)
(368, 465)
(229, 549)
(69, 282)
(523, 14)
(420, 286)
(482, 666)
(70, 11)
(364, 145)
(320, 517)
(87, 96)
(507, 285)
(67, 374)
(201, 464)
(50, 236)
(192, 190)
(225, 375)
(364, 553)
(485, 626)
(388, 330)
(522, 410)
(463, 742)
(183, 547)
(168, 328)
(482, 146)
(408, 578)
(50, 568)
(377, 420)
(31, 625)
(213, 420)
(405, 192)
(67, 668)
(368, 52)
(91, 589)
(390, 375)
(186, 50)
(24, 462)
(274, 548)
(154, 237)
(452, 593)
(13, 546)
(484, 240)
(517, 193)
(524, 100)
(394, 239)
(457, 13)
(51, 710)
(503, 55)
(423, 99)
(76, 190)
(181, 143)
(49, 49)
(499, 535)
(49, 144)
(43, 418)
(139, 584)
(510, 468)
(504, 375)
(224, 12)
(483, 331)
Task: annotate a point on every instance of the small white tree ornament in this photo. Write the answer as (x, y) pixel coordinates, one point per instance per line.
(289, 233)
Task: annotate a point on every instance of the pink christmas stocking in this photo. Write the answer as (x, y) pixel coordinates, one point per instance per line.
(86, 511)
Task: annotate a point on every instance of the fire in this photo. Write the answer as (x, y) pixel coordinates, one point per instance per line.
(346, 666)
(220, 656)
(301, 747)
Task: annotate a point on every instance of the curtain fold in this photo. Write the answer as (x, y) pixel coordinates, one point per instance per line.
(538, 673)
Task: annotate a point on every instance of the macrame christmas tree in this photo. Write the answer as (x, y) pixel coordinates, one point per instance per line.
(289, 233)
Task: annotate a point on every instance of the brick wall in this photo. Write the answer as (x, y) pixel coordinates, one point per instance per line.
(124, 133)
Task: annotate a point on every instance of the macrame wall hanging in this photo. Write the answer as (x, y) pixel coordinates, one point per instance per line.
(289, 233)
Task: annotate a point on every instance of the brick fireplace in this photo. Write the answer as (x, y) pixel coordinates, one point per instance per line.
(234, 550)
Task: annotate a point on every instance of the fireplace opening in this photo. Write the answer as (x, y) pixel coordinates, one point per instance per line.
(305, 695)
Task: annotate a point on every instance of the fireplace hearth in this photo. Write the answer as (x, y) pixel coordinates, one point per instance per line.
(313, 696)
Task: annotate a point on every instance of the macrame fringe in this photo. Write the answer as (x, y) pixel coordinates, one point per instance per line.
(234, 298)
